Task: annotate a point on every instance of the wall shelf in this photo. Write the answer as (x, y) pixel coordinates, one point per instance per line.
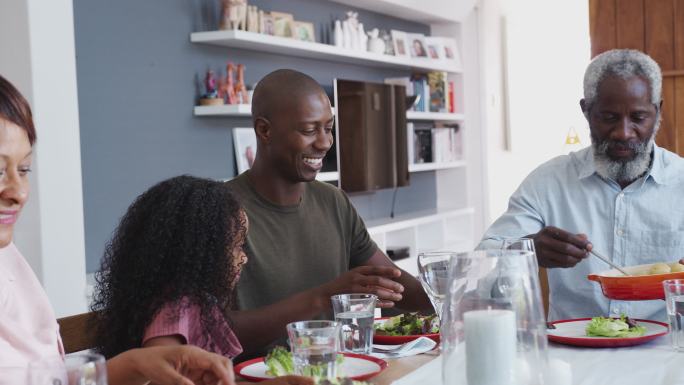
(440, 116)
(417, 167)
(224, 110)
(291, 47)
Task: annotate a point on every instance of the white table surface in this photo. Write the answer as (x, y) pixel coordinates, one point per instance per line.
(653, 363)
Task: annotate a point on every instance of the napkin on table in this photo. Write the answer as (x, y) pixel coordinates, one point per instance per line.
(417, 346)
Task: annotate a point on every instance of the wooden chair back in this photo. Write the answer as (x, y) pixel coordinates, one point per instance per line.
(77, 332)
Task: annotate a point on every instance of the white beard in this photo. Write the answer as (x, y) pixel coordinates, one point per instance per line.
(622, 171)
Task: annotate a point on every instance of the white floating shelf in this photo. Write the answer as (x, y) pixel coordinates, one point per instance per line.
(224, 110)
(328, 176)
(228, 110)
(291, 47)
(443, 116)
(417, 167)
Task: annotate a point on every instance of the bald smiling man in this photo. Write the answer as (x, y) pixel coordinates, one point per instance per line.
(306, 242)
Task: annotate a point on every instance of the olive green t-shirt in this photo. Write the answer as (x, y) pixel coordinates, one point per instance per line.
(295, 248)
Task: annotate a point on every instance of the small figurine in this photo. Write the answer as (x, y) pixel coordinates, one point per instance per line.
(252, 18)
(234, 15)
(240, 89)
(375, 43)
(231, 98)
(210, 97)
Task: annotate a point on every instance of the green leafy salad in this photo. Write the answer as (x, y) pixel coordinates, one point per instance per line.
(614, 327)
(408, 324)
(280, 363)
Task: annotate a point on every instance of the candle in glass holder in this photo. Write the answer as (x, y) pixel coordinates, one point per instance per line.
(490, 339)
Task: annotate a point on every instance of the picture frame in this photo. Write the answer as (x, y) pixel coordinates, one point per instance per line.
(282, 23)
(267, 24)
(417, 45)
(245, 144)
(450, 50)
(304, 31)
(399, 43)
(435, 47)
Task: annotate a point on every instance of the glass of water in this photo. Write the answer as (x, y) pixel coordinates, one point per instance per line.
(434, 276)
(674, 300)
(314, 347)
(74, 369)
(354, 313)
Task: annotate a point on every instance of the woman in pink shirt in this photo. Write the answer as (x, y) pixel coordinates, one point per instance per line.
(168, 274)
(28, 329)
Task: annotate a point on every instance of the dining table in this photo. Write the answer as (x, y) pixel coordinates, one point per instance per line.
(652, 363)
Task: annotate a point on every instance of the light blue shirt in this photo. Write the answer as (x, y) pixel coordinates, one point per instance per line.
(644, 223)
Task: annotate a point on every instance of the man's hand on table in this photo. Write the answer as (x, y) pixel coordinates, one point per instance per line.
(558, 248)
(378, 280)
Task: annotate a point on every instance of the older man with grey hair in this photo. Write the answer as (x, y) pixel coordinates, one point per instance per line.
(623, 196)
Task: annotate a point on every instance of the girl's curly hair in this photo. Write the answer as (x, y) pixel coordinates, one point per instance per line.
(175, 241)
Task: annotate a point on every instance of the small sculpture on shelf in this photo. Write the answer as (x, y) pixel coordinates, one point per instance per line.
(375, 43)
(241, 94)
(234, 15)
(210, 97)
(229, 85)
(253, 18)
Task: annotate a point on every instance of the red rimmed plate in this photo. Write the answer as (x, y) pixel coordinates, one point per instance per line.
(358, 367)
(573, 332)
(397, 340)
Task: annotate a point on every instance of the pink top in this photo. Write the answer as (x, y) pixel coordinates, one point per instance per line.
(28, 328)
(188, 326)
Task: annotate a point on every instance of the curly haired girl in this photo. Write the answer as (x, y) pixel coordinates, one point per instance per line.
(169, 272)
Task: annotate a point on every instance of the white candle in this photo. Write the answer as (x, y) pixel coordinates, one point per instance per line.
(490, 342)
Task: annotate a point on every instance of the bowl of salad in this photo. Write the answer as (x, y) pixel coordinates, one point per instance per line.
(404, 328)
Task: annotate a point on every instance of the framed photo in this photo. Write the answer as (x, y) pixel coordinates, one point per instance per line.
(399, 43)
(417, 43)
(302, 30)
(435, 47)
(449, 49)
(282, 23)
(245, 143)
(267, 24)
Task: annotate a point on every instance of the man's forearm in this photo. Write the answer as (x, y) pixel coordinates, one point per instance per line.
(257, 328)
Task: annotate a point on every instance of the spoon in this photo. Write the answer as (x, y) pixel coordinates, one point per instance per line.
(606, 260)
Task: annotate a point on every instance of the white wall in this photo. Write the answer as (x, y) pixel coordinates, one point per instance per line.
(39, 39)
(548, 49)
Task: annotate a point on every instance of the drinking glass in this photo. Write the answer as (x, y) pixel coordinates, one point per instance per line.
(433, 268)
(314, 347)
(354, 313)
(674, 301)
(494, 336)
(75, 369)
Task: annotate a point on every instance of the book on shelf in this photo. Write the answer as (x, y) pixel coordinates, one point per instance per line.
(446, 143)
(422, 140)
(437, 83)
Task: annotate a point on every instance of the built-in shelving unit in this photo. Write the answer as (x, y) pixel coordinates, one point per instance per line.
(291, 47)
(452, 224)
(424, 231)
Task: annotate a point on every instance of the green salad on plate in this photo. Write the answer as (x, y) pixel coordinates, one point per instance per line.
(614, 327)
(408, 325)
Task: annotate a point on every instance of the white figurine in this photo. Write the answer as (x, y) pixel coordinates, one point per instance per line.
(375, 43)
(339, 35)
(363, 39)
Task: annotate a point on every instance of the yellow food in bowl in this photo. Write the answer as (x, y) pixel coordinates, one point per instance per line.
(659, 268)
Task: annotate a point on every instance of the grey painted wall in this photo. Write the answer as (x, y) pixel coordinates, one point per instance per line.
(137, 74)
